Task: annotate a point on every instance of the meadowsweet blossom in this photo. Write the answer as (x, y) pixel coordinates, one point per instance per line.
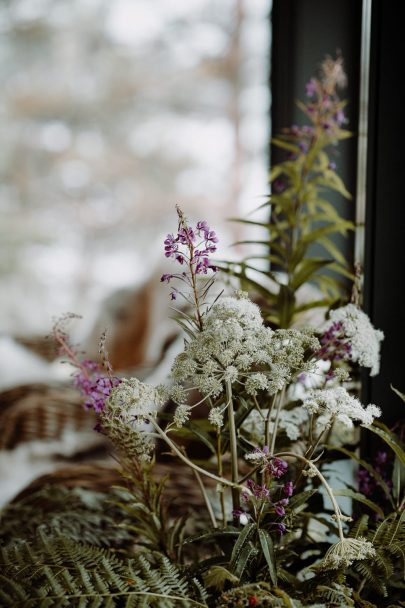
(127, 411)
(337, 404)
(135, 402)
(216, 417)
(235, 346)
(346, 551)
(351, 335)
(181, 415)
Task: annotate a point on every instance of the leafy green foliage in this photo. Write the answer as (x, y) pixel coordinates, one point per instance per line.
(145, 512)
(299, 239)
(57, 571)
(81, 514)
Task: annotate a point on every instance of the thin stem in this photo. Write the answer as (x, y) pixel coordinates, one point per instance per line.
(308, 454)
(70, 353)
(233, 444)
(220, 474)
(268, 420)
(206, 499)
(275, 428)
(188, 462)
(329, 490)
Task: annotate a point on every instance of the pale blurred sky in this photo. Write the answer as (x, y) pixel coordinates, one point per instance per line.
(112, 111)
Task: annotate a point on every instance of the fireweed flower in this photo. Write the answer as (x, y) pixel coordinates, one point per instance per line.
(191, 246)
(273, 465)
(337, 404)
(350, 335)
(95, 386)
(288, 489)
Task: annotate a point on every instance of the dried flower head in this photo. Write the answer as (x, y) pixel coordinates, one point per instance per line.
(346, 551)
(337, 404)
(352, 327)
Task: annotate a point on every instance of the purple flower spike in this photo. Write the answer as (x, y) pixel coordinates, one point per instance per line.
(288, 488)
(166, 278)
(281, 528)
(277, 468)
(279, 506)
(310, 88)
(94, 385)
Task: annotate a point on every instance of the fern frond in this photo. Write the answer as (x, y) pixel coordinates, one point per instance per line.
(58, 571)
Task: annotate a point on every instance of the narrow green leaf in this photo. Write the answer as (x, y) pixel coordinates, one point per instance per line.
(217, 577)
(306, 269)
(266, 543)
(285, 305)
(400, 395)
(280, 143)
(297, 500)
(360, 498)
(390, 439)
(248, 553)
(398, 480)
(243, 539)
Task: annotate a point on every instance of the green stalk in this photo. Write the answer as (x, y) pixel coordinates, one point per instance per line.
(327, 487)
(233, 444)
(276, 422)
(220, 474)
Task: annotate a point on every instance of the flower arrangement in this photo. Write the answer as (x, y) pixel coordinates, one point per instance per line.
(254, 409)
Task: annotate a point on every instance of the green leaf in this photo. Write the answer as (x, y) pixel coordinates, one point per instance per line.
(285, 305)
(333, 250)
(213, 535)
(306, 269)
(247, 554)
(280, 143)
(400, 395)
(331, 180)
(217, 577)
(266, 543)
(390, 439)
(297, 500)
(398, 480)
(360, 498)
(243, 539)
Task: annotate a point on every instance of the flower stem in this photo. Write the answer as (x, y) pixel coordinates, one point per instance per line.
(206, 499)
(268, 420)
(275, 429)
(233, 444)
(191, 464)
(327, 487)
(220, 474)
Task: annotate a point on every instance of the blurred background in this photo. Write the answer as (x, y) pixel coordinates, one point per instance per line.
(112, 112)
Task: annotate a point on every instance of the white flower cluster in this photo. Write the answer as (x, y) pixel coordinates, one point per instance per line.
(124, 417)
(235, 346)
(337, 404)
(363, 337)
(290, 421)
(134, 402)
(346, 551)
